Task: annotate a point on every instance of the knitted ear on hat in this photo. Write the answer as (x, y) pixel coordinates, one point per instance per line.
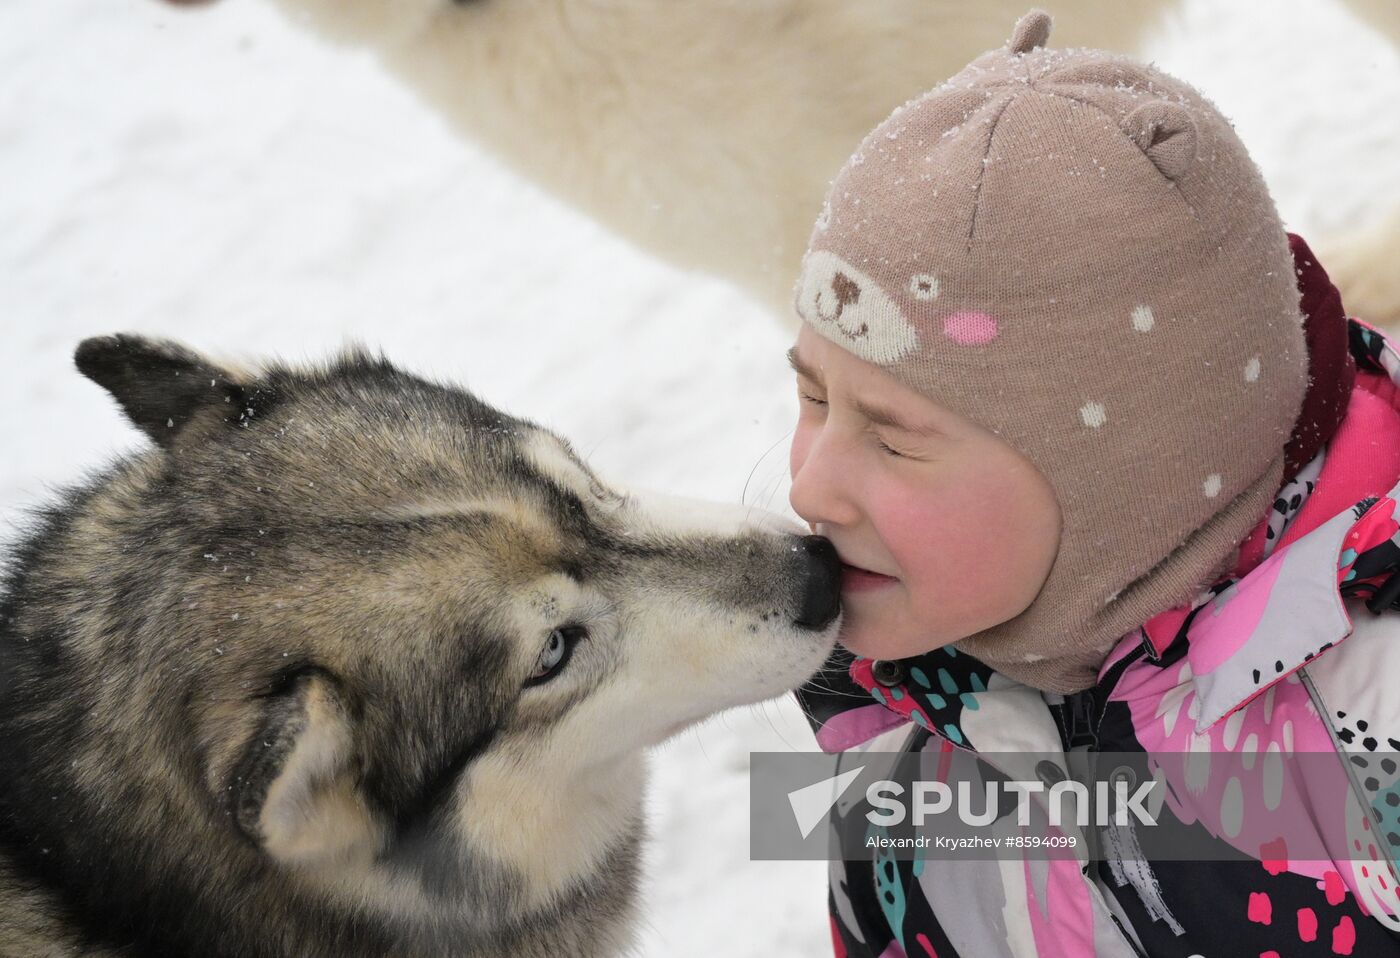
(1165, 132)
(1031, 31)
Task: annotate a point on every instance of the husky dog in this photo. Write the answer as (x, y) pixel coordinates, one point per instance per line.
(351, 663)
(707, 131)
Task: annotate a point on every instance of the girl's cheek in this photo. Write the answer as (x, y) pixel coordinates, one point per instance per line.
(917, 504)
(933, 532)
(907, 519)
(906, 513)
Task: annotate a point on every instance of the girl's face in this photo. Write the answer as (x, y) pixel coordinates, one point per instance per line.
(944, 530)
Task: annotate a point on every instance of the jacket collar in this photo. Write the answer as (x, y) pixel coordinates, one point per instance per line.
(1259, 628)
(1264, 627)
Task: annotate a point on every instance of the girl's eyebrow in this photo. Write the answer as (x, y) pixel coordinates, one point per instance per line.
(802, 369)
(881, 416)
(878, 415)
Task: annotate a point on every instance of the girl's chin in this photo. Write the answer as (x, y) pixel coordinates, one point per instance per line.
(869, 637)
(875, 643)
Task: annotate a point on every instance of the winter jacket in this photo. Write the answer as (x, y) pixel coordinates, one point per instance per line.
(1282, 657)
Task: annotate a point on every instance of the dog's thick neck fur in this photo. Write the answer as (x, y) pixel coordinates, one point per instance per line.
(105, 852)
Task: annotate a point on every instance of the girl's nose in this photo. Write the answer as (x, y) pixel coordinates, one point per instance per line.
(822, 484)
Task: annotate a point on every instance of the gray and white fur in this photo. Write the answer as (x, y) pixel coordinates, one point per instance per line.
(350, 663)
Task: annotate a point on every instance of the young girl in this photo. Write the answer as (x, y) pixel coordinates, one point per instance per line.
(1102, 456)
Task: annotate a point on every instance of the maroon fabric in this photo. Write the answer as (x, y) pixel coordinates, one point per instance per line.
(1331, 368)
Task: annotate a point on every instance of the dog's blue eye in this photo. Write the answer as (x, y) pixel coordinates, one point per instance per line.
(557, 651)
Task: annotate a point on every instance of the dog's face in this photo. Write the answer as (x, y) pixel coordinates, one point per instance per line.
(385, 603)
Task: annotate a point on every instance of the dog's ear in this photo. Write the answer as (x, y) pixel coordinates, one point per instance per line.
(160, 385)
(295, 792)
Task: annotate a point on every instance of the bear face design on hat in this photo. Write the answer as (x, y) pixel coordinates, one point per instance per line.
(1075, 251)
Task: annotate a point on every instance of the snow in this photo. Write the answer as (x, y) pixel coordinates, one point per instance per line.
(218, 177)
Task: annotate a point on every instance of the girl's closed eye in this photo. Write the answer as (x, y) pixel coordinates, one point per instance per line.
(895, 448)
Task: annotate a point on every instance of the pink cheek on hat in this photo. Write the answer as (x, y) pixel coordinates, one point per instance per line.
(970, 329)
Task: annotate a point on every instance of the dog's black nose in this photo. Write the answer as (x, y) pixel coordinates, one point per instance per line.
(821, 585)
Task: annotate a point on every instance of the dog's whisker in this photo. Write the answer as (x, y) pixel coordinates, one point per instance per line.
(744, 495)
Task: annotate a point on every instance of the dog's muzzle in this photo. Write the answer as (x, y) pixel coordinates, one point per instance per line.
(821, 584)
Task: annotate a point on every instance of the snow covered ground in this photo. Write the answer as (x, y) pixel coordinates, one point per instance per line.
(218, 177)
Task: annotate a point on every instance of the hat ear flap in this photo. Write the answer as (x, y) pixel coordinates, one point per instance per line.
(1166, 134)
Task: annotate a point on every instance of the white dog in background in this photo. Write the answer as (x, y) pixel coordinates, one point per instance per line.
(707, 131)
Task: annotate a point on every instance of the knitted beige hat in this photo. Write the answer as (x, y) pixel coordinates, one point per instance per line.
(1075, 251)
